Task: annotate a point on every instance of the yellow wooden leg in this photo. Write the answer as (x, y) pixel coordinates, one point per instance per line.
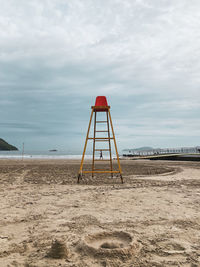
(81, 167)
(93, 156)
(110, 153)
(120, 170)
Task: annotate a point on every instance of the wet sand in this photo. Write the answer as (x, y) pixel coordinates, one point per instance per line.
(153, 219)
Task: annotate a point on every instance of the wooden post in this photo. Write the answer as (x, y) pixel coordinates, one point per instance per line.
(111, 167)
(120, 170)
(81, 167)
(93, 157)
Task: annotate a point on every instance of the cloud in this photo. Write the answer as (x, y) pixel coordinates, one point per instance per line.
(57, 55)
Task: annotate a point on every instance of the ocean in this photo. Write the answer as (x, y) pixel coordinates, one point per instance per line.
(43, 155)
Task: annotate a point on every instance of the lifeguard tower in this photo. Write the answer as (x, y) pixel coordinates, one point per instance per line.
(101, 105)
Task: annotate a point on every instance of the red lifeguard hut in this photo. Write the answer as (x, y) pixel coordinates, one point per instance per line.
(101, 105)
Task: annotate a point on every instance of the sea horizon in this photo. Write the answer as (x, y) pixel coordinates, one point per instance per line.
(43, 154)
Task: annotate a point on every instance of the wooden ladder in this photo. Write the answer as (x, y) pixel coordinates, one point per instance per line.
(95, 139)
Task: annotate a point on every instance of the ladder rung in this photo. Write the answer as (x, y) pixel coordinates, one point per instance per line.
(101, 138)
(101, 121)
(101, 131)
(102, 150)
(100, 171)
(102, 160)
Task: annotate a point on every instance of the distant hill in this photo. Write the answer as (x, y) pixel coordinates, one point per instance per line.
(5, 146)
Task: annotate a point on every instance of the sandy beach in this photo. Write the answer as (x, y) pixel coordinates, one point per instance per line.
(47, 219)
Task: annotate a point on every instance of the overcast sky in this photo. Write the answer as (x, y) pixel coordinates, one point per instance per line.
(56, 56)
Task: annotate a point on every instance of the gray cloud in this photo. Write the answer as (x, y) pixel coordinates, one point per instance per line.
(56, 56)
